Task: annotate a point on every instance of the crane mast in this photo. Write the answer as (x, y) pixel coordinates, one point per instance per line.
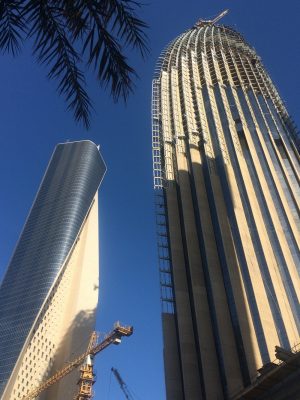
(122, 384)
(87, 376)
(85, 361)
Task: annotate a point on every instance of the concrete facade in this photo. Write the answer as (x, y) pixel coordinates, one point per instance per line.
(67, 203)
(226, 174)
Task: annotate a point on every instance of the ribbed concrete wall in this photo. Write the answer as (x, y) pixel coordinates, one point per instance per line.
(225, 160)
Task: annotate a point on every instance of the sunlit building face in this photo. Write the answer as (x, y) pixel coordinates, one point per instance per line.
(226, 175)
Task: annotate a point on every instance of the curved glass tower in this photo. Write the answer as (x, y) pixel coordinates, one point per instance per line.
(49, 294)
(226, 174)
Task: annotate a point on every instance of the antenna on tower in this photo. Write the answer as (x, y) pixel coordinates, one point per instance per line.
(203, 22)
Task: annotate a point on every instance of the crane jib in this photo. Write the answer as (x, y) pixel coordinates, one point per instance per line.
(114, 337)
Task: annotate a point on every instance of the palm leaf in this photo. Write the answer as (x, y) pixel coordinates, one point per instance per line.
(104, 52)
(54, 48)
(12, 26)
(66, 33)
(130, 28)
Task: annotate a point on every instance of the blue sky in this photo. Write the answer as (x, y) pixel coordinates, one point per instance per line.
(33, 120)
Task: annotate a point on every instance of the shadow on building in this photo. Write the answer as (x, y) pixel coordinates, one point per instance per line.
(74, 343)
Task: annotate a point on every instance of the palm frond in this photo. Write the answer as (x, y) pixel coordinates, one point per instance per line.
(54, 48)
(12, 26)
(66, 33)
(76, 18)
(130, 28)
(104, 53)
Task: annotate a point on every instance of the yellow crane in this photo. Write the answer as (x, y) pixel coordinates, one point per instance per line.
(85, 361)
(87, 376)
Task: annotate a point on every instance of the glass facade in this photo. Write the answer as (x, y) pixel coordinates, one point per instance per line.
(226, 161)
(59, 209)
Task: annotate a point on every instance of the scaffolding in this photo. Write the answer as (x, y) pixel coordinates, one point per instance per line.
(164, 257)
(158, 175)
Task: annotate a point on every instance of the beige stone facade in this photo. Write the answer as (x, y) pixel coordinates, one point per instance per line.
(65, 322)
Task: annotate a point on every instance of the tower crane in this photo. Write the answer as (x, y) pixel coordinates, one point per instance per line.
(87, 376)
(202, 22)
(85, 361)
(218, 17)
(122, 384)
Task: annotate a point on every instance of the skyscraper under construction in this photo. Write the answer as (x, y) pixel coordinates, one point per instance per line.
(226, 174)
(49, 294)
